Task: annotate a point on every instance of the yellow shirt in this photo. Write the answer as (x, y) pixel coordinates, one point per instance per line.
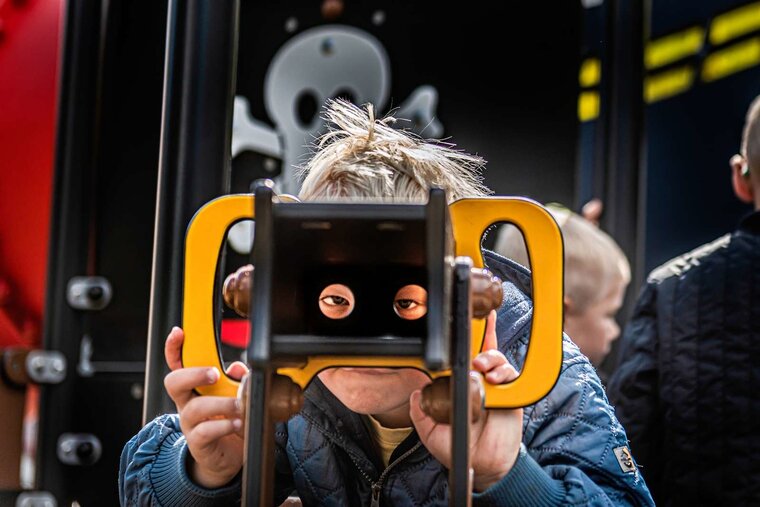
(387, 439)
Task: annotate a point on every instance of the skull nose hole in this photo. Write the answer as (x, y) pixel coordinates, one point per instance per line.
(345, 94)
(306, 107)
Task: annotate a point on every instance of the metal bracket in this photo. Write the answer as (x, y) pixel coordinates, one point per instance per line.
(89, 292)
(87, 367)
(79, 449)
(46, 366)
(36, 499)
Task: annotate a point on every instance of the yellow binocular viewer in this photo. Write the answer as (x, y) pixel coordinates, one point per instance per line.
(465, 224)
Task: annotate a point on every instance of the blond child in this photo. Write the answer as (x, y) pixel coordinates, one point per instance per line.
(336, 450)
(596, 276)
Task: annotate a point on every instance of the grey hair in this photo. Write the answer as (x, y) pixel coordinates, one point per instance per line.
(593, 261)
(363, 158)
(751, 136)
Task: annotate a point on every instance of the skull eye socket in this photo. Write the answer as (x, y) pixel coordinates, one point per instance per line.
(336, 301)
(410, 302)
(306, 107)
(346, 94)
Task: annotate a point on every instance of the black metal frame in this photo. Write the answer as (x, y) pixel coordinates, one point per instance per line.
(448, 290)
(268, 345)
(105, 124)
(74, 161)
(459, 475)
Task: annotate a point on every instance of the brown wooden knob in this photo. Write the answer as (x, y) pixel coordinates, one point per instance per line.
(487, 292)
(237, 290)
(436, 399)
(14, 366)
(285, 397)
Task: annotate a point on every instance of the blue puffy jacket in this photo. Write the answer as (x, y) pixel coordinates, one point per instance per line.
(574, 449)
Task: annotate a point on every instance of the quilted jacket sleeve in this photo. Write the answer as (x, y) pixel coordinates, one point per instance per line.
(575, 449)
(575, 437)
(568, 455)
(634, 386)
(152, 470)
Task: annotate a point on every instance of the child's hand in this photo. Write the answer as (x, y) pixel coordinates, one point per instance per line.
(212, 425)
(494, 439)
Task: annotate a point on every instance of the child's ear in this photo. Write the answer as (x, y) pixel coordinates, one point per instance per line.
(567, 307)
(741, 180)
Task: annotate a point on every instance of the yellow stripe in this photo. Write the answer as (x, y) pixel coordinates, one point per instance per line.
(731, 59)
(590, 72)
(673, 47)
(735, 23)
(666, 84)
(588, 106)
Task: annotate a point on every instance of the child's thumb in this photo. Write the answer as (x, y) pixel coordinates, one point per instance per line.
(489, 341)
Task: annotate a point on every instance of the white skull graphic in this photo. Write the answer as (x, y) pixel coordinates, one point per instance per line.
(321, 63)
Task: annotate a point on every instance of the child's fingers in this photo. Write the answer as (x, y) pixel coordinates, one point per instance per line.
(237, 370)
(173, 348)
(207, 433)
(501, 374)
(488, 360)
(203, 408)
(422, 422)
(181, 383)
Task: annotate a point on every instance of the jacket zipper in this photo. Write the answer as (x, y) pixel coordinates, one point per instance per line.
(377, 486)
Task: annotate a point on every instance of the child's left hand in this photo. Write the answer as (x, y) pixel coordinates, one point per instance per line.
(494, 439)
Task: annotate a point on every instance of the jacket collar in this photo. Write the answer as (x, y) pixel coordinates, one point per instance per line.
(346, 428)
(751, 223)
(509, 271)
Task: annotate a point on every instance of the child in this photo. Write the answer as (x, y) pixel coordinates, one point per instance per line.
(342, 447)
(596, 276)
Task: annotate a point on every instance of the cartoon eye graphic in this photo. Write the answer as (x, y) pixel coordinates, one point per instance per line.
(410, 302)
(336, 301)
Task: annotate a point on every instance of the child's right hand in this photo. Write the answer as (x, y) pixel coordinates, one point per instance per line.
(212, 425)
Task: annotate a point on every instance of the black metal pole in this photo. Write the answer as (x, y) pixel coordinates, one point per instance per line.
(459, 476)
(194, 163)
(258, 472)
(625, 124)
(623, 186)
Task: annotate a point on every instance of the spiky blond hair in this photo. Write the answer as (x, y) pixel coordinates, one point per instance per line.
(364, 158)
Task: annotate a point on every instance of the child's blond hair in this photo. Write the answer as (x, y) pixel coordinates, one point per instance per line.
(593, 261)
(363, 158)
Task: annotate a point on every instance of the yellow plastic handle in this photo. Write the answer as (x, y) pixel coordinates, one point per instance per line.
(203, 243)
(470, 218)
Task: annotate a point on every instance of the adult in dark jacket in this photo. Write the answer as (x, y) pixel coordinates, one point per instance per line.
(687, 388)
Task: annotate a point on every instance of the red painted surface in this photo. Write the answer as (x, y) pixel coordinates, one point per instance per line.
(235, 332)
(29, 47)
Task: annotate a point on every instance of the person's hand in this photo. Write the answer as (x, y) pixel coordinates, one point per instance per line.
(212, 425)
(592, 211)
(494, 439)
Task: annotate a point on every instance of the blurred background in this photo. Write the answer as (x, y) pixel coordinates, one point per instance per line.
(119, 119)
